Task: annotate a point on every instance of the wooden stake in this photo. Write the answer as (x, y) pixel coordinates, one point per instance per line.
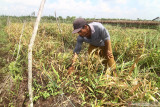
(19, 47)
(30, 52)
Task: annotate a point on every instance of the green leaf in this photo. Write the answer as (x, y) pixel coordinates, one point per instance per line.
(90, 89)
(56, 73)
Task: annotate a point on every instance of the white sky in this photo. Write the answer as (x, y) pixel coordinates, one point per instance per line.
(126, 9)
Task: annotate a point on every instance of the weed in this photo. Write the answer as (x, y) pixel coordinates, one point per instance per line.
(137, 57)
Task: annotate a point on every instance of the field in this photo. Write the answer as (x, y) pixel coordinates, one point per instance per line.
(132, 23)
(137, 55)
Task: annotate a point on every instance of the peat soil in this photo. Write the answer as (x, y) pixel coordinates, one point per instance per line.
(15, 94)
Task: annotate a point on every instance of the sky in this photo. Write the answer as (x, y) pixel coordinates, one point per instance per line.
(117, 9)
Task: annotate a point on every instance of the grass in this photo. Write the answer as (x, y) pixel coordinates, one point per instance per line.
(136, 52)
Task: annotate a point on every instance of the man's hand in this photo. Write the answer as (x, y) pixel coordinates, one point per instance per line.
(74, 58)
(70, 70)
(109, 54)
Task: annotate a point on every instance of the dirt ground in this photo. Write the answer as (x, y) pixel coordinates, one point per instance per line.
(16, 95)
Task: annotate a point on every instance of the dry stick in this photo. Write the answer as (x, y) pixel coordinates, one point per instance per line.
(8, 21)
(60, 30)
(58, 23)
(135, 63)
(9, 76)
(30, 53)
(20, 40)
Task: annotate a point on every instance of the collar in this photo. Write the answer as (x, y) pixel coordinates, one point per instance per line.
(92, 28)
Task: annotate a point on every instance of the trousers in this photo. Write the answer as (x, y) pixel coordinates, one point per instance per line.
(101, 51)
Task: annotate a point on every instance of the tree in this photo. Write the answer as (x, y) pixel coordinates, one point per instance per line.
(68, 18)
(33, 14)
(73, 18)
(60, 17)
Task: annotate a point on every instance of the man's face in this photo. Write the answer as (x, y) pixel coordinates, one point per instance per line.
(84, 31)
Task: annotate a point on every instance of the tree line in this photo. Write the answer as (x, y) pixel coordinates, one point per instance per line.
(33, 18)
(68, 19)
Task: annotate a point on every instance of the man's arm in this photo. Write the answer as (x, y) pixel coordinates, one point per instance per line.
(76, 51)
(106, 37)
(108, 48)
(74, 58)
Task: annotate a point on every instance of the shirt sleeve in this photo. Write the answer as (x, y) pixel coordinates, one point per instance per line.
(105, 34)
(78, 45)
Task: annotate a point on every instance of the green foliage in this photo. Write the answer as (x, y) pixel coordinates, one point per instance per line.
(51, 89)
(91, 82)
(158, 28)
(56, 73)
(15, 70)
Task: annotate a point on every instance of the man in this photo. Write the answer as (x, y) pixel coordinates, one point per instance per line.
(97, 36)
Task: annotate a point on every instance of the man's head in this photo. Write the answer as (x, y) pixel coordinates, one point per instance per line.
(80, 26)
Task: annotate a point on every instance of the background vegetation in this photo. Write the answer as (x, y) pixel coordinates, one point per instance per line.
(136, 51)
